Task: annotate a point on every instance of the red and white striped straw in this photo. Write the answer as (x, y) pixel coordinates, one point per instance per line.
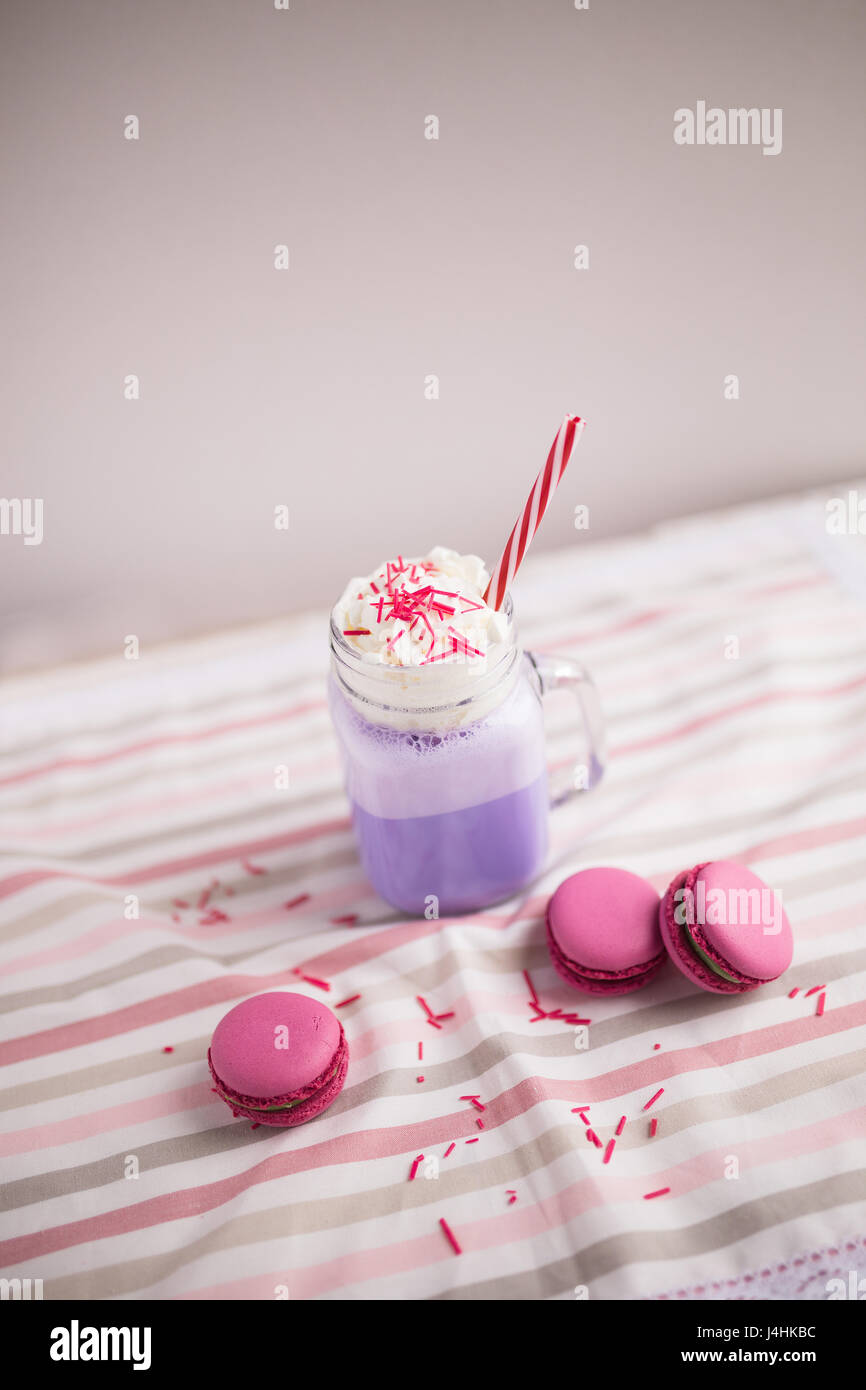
(530, 518)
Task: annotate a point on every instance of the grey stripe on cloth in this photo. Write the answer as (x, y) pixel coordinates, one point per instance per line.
(636, 1247)
(852, 719)
(672, 641)
(285, 877)
(232, 820)
(594, 1261)
(681, 1008)
(441, 1077)
(619, 844)
(651, 779)
(143, 724)
(291, 682)
(616, 845)
(154, 773)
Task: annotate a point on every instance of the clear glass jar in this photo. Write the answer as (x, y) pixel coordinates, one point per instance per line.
(446, 770)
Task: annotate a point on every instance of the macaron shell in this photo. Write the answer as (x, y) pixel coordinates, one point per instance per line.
(307, 1109)
(681, 953)
(623, 982)
(245, 1054)
(606, 920)
(753, 948)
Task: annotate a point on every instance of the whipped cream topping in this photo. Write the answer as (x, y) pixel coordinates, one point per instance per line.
(419, 611)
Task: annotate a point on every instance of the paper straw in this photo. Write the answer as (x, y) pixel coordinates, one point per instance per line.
(531, 517)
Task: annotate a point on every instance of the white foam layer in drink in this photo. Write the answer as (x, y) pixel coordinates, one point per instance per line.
(394, 773)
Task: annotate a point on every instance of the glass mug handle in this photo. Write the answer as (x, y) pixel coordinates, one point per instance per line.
(562, 673)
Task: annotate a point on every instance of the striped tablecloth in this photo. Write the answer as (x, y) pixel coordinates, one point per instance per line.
(730, 652)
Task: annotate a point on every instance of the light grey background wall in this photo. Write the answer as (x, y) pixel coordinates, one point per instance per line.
(408, 257)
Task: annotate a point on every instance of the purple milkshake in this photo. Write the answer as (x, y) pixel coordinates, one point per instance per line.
(439, 720)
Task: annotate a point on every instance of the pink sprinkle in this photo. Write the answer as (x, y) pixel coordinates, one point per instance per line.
(203, 897)
(451, 1236)
(608, 1153)
(450, 1015)
(531, 986)
(168, 1049)
(794, 991)
(652, 1100)
(593, 1138)
(621, 1126)
(425, 1006)
(348, 920)
(654, 1124)
(419, 1078)
(252, 868)
(433, 1023)
(480, 1124)
(659, 1193)
(420, 1052)
(179, 902)
(356, 632)
(311, 980)
(351, 999)
(296, 902)
(819, 1012)
(512, 1197)
(414, 1169)
(472, 1141)
(816, 989)
(449, 1150)
(656, 1047)
(212, 916)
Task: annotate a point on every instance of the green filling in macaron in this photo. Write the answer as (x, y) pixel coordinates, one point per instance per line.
(290, 1105)
(702, 955)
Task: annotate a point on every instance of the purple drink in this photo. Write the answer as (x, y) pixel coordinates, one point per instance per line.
(450, 822)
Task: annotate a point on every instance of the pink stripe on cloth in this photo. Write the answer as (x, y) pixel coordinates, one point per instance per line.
(205, 793)
(384, 1142)
(339, 958)
(140, 1015)
(134, 1112)
(160, 741)
(570, 1203)
(17, 882)
(171, 1005)
(769, 697)
(815, 837)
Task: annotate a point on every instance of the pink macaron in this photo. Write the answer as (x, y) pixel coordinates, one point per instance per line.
(724, 928)
(279, 1059)
(602, 931)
